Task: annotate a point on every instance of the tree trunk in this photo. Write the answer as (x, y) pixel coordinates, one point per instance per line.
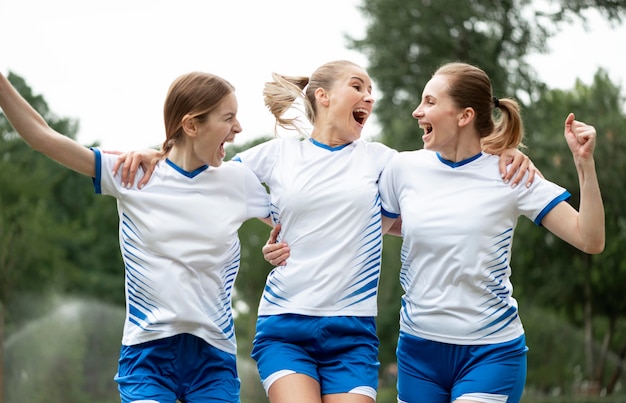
(604, 352)
(610, 387)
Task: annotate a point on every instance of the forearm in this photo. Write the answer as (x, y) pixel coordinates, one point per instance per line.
(36, 132)
(25, 120)
(591, 209)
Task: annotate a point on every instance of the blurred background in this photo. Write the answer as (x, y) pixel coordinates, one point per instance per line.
(61, 274)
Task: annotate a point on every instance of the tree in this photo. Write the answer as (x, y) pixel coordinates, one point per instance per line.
(406, 41)
(585, 288)
(54, 235)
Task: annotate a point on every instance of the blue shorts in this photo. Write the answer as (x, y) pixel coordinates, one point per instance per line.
(182, 367)
(339, 352)
(434, 372)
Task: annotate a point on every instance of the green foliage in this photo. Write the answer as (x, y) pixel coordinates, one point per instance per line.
(55, 233)
(389, 293)
(406, 40)
(584, 288)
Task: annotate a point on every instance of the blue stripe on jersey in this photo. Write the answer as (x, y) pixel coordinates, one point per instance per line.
(275, 216)
(225, 321)
(371, 247)
(269, 292)
(140, 300)
(499, 312)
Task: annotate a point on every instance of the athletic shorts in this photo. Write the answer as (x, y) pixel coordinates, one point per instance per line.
(339, 352)
(429, 371)
(182, 367)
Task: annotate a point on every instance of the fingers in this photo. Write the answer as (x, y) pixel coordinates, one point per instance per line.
(520, 172)
(118, 163)
(502, 164)
(274, 234)
(580, 137)
(276, 253)
(583, 132)
(518, 162)
(146, 177)
(569, 119)
(130, 171)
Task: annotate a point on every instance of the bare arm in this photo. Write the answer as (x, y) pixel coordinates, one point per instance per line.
(392, 226)
(31, 126)
(583, 229)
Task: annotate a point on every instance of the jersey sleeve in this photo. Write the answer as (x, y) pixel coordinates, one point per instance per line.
(260, 159)
(388, 191)
(540, 198)
(382, 154)
(104, 181)
(256, 195)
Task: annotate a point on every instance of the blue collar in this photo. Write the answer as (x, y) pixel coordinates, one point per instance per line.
(452, 164)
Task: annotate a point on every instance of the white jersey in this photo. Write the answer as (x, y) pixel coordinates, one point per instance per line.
(328, 204)
(458, 221)
(181, 251)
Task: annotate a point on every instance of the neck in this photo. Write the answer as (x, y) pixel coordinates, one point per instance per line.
(184, 158)
(330, 138)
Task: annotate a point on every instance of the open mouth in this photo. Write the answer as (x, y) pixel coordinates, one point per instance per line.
(427, 128)
(360, 115)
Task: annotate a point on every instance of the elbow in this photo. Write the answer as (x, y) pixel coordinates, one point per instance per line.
(595, 248)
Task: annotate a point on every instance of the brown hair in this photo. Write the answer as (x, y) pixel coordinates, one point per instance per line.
(195, 95)
(470, 87)
(284, 91)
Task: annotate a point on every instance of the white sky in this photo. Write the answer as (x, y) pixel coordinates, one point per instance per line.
(109, 63)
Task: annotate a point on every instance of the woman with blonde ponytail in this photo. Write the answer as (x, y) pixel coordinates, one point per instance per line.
(461, 338)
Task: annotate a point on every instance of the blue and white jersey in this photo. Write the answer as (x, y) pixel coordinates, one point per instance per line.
(327, 200)
(181, 252)
(458, 221)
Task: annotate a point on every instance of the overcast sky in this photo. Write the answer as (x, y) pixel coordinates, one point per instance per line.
(109, 63)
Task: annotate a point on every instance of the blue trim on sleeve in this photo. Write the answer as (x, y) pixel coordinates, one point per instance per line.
(97, 180)
(563, 197)
(389, 214)
(236, 158)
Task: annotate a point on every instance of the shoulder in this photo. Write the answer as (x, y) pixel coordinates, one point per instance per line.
(377, 151)
(233, 167)
(415, 156)
(375, 146)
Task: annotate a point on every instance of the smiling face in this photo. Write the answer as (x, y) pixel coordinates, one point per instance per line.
(438, 116)
(347, 104)
(218, 127)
